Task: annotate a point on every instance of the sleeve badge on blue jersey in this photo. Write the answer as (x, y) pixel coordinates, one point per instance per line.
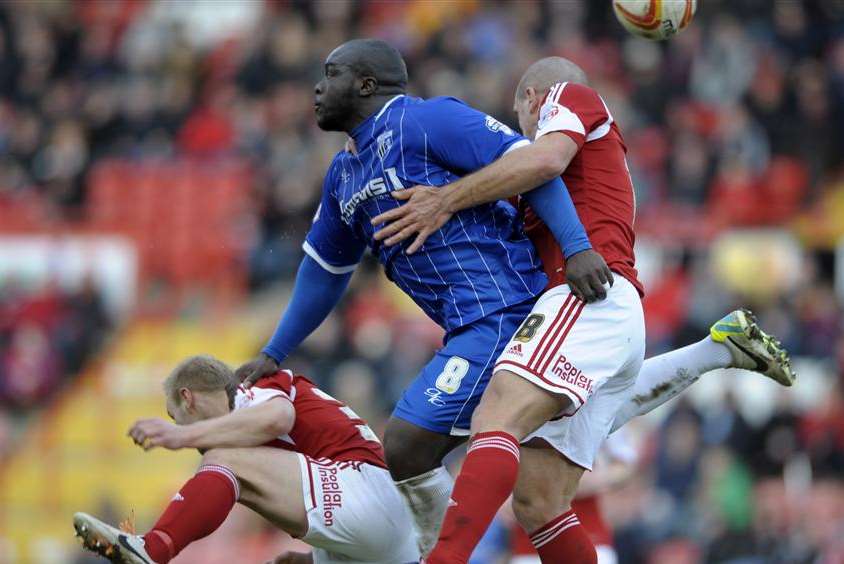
(495, 126)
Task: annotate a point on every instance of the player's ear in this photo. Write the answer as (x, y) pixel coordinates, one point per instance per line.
(368, 86)
(534, 98)
(187, 397)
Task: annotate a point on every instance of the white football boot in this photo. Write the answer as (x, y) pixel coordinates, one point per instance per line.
(112, 543)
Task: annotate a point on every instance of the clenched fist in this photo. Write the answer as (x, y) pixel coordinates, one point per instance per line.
(151, 433)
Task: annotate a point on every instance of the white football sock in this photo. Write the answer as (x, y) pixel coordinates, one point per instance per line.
(427, 495)
(663, 377)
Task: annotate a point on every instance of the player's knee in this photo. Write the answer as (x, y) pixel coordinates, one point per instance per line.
(499, 406)
(487, 417)
(535, 509)
(407, 458)
(514, 405)
(411, 451)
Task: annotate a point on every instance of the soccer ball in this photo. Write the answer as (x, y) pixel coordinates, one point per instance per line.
(654, 19)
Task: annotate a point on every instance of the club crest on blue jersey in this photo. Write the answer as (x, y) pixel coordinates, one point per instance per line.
(385, 141)
(477, 264)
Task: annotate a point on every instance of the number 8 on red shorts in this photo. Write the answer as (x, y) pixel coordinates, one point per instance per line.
(590, 353)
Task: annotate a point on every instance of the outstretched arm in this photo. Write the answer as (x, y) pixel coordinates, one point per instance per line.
(567, 119)
(247, 427)
(586, 270)
(518, 171)
(332, 250)
(315, 294)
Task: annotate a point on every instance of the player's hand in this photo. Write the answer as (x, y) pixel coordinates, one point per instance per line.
(423, 212)
(151, 433)
(291, 558)
(259, 367)
(586, 273)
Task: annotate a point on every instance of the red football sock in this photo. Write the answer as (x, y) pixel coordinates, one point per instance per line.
(196, 511)
(520, 544)
(564, 540)
(485, 482)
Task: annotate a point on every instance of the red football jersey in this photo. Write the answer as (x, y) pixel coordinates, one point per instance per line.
(325, 427)
(597, 179)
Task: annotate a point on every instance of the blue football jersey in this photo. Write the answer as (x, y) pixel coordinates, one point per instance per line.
(479, 262)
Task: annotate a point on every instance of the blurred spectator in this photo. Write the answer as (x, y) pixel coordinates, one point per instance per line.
(44, 337)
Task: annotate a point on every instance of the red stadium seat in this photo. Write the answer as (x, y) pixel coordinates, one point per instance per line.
(182, 214)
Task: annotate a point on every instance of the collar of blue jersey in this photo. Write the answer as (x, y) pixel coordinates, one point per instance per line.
(360, 132)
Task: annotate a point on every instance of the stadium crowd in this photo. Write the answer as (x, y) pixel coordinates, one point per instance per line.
(46, 337)
(737, 123)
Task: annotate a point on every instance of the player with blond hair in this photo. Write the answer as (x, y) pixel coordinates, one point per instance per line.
(295, 455)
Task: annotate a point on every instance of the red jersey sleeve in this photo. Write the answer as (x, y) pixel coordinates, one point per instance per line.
(576, 110)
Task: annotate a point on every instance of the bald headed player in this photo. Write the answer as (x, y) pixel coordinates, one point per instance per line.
(567, 378)
(477, 276)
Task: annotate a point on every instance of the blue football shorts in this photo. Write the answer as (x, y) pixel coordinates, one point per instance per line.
(446, 392)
